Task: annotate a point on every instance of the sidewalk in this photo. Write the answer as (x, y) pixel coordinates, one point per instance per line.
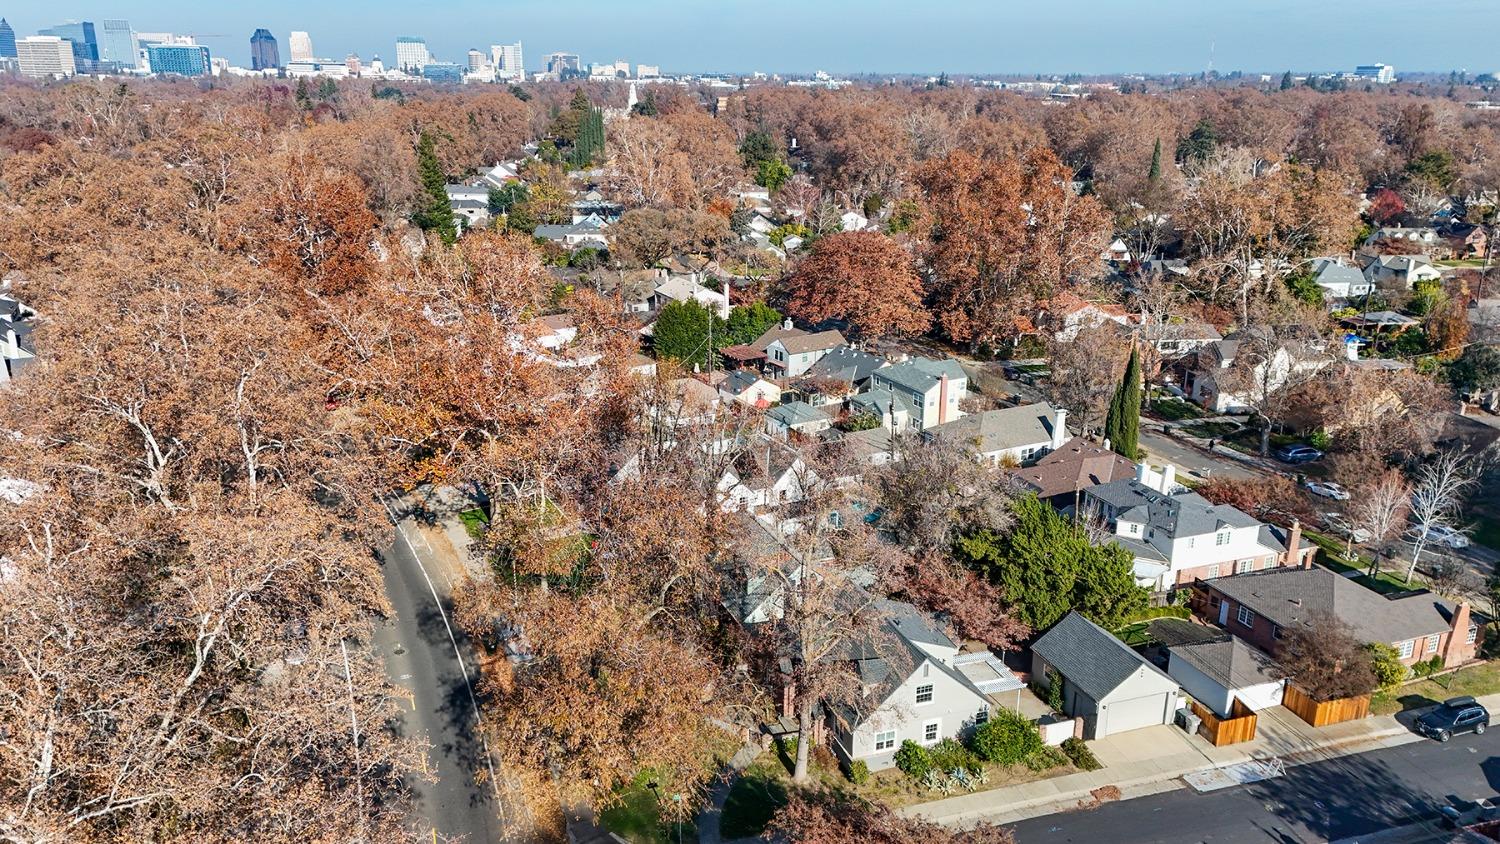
(1152, 761)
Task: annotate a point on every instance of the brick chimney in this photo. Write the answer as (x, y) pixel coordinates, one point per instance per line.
(1458, 636)
(1294, 546)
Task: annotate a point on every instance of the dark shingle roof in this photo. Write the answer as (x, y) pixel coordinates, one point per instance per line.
(1291, 597)
(998, 430)
(1229, 661)
(1079, 464)
(1088, 656)
(846, 364)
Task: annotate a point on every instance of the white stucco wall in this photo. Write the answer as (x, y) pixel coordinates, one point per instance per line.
(954, 704)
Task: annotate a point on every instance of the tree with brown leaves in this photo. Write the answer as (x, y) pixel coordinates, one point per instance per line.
(864, 278)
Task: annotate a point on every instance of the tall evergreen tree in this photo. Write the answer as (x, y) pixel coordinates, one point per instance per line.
(1155, 173)
(433, 211)
(1286, 81)
(1123, 424)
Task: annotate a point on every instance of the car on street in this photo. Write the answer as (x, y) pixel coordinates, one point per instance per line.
(1297, 453)
(1453, 716)
(1328, 489)
(1440, 535)
(1340, 526)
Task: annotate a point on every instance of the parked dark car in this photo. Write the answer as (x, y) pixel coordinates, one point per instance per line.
(1295, 454)
(1453, 716)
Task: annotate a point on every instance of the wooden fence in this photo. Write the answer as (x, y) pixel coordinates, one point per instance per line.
(1321, 714)
(1238, 727)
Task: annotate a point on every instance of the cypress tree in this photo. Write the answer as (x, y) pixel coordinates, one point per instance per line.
(1155, 174)
(433, 210)
(1286, 81)
(1123, 423)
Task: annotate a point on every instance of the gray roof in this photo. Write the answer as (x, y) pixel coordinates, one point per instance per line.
(1383, 318)
(796, 413)
(1293, 596)
(1229, 661)
(921, 374)
(739, 381)
(998, 430)
(846, 364)
(1182, 513)
(1331, 271)
(804, 342)
(879, 401)
(1088, 656)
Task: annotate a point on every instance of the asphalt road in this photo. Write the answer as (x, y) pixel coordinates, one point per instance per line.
(1324, 801)
(431, 661)
(1188, 459)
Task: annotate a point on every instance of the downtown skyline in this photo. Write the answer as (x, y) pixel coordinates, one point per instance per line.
(1097, 37)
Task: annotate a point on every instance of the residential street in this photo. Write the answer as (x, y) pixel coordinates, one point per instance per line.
(430, 658)
(1190, 460)
(1324, 801)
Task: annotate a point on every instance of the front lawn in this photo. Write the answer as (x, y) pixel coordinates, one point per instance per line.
(1210, 430)
(1174, 409)
(637, 818)
(475, 522)
(754, 799)
(1332, 557)
(1474, 681)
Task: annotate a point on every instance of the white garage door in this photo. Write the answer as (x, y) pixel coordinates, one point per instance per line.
(1262, 696)
(1133, 714)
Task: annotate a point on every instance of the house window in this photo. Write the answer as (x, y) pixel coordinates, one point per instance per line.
(1432, 643)
(1028, 452)
(1473, 635)
(924, 693)
(931, 732)
(1221, 538)
(1407, 648)
(1135, 530)
(982, 715)
(1213, 601)
(885, 740)
(1244, 566)
(1277, 632)
(1213, 571)
(1245, 616)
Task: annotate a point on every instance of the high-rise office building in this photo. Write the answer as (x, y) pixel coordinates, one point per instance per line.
(559, 62)
(264, 54)
(1383, 74)
(179, 59)
(45, 56)
(300, 46)
(476, 59)
(7, 40)
(508, 61)
(443, 72)
(411, 54)
(81, 36)
(117, 44)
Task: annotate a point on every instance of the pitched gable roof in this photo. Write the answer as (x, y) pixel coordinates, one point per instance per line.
(1002, 429)
(1078, 465)
(846, 363)
(804, 342)
(1089, 657)
(1291, 597)
(1230, 661)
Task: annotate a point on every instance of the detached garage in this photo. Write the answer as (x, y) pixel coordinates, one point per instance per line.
(1218, 671)
(1111, 687)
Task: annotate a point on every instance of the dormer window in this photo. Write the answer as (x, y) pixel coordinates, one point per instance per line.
(1135, 530)
(1222, 537)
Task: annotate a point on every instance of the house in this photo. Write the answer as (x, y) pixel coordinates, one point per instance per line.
(853, 221)
(1260, 609)
(1176, 338)
(681, 288)
(554, 331)
(798, 416)
(18, 349)
(502, 174)
(749, 389)
(1277, 362)
(1217, 669)
(1068, 313)
(1389, 322)
(1012, 436)
(1166, 267)
(1401, 272)
(791, 356)
(1062, 474)
(1111, 687)
(1117, 252)
(872, 447)
(931, 389)
(1425, 240)
(1178, 536)
(895, 410)
(1466, 239)
(688, 402)
(915, 685)
(1339, 280)
(768, 475)
(470, 204)
(589, 232)
(593, 204)
(847, 367)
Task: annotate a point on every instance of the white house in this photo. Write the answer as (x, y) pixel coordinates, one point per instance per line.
(1068, 313)
(1222, 669)
(1011, 436)
(1338, 279)
(1286, 363)
(768, 475)
(792, 356)
(747, 388)
(1111, 687)
(589, 232)
(853, 221)
(932, 389)
(502, 174)
(681, 288)
(1177, 536)
(1401, 271)
(1117, 252)
(799, 417)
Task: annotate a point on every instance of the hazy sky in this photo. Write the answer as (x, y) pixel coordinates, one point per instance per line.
(893, 36)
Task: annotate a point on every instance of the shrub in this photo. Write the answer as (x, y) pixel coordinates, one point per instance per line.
(1428, 667)
(1007, 738)
(948, 754)
(1045, 759)
(1054, 690)
(859, 772)
(1390, 672)
(1080, 755)
(914, 760)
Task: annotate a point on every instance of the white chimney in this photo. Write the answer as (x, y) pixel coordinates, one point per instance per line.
(786, 324)
(1168, 478)
(1142, 472)
(1060, 428)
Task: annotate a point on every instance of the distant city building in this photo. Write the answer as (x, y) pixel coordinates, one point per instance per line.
(179, 59)
(559, 62)
(45, 56)
(647, 71)
(509, 63)
(443, 72)
(411, 54)
(117, 44)
(1383, 74)
(476, 59)
(264, 55)
(7, 40)
(85, 43)
(299, 46)
(351, 62)
(377, 66)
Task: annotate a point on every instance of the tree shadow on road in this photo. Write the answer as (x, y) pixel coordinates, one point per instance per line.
(1341, 798)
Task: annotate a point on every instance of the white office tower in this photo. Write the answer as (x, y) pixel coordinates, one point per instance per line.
(508, 61)
(411, 54)
(476, 60)
(44, 56)
(300, 43)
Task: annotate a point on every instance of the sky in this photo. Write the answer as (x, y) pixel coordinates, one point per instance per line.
(844, 36)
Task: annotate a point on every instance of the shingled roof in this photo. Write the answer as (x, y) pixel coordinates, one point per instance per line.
(1088, 656)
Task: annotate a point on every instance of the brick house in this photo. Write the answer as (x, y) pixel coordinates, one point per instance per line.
(1260, 607)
